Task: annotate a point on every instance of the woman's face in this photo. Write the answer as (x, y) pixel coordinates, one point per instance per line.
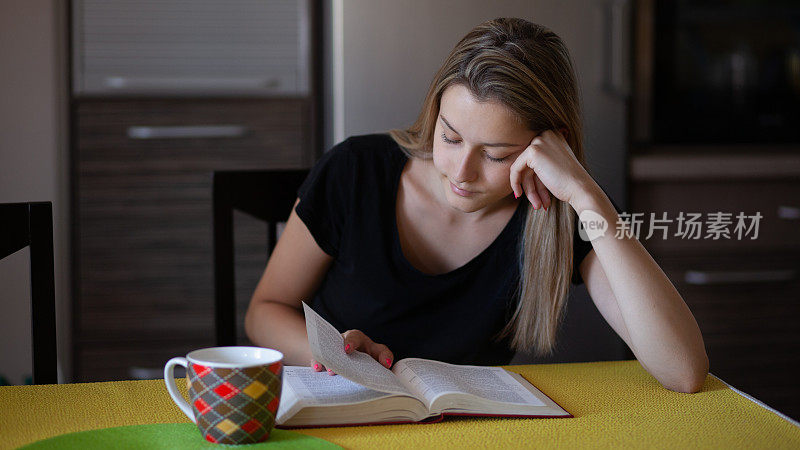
(474, 145)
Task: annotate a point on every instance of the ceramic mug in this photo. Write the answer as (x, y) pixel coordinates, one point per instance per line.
(234, 392)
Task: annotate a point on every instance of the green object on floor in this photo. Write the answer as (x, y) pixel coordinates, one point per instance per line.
(168, 436)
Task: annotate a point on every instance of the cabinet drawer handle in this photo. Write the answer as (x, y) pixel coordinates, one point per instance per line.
(187, 132)
(788, 212)
(615, 78)
(699, 277)
(190, 84)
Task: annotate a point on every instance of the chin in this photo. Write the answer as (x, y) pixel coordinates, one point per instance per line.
(462, 204)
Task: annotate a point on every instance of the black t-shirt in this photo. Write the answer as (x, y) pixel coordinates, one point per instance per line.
(348, 204)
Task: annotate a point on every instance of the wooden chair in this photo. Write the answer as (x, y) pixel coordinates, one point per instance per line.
(31, 225)
(264, 194)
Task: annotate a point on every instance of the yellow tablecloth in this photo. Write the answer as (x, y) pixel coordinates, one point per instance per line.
(615, 404)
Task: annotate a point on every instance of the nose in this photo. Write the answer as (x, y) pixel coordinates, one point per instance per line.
(467, 167)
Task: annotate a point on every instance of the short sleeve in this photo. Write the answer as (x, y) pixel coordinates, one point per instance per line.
(581, 248)
(324, 198)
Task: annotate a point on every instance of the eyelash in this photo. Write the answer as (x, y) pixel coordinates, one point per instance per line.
(497, 160)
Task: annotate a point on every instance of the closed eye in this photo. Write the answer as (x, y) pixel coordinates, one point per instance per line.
(488, 156)
(493, 159)
(449, 141)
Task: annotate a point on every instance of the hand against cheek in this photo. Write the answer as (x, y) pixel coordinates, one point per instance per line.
(547, 166)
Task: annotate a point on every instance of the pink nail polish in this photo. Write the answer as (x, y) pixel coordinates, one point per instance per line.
(347, 347)
(545, 208)
(388, 362)
(515, 195)
(316, 366)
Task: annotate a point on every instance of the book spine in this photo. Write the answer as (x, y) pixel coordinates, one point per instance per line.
(433, 419)
(563, 416)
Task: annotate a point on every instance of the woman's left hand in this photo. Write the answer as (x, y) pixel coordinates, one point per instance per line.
(548, 166)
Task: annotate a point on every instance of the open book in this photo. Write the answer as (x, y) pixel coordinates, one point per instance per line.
(414, 390)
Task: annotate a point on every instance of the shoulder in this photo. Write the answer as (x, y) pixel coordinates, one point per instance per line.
(360, 155)
(373, 146)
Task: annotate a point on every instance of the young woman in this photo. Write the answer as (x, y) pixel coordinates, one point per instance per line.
(456, 239)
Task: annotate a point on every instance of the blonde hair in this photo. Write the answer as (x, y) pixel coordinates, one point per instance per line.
(527, 68)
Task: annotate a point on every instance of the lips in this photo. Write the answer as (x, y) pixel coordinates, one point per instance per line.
(461, 192)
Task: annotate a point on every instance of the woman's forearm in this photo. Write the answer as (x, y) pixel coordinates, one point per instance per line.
(663, 332)
(279, 326)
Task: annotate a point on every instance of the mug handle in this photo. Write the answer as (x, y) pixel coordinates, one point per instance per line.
(172, 388)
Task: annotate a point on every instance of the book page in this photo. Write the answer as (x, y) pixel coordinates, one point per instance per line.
(288, 404)
(414, 383)
(319, 388)
(490, 383)
(327, 347)
(310, 398)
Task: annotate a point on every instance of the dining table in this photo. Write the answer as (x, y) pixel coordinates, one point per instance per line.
(614, 404)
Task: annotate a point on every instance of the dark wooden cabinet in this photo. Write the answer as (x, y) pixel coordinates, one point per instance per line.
(743, 292)
(158, 101)
(143, 248)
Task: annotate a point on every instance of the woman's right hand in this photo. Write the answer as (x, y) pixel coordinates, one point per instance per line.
(357, 340)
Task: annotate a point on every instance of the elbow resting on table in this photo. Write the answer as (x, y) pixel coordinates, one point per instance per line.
(693, 383)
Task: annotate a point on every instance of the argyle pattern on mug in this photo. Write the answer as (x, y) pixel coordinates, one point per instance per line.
(235, 406)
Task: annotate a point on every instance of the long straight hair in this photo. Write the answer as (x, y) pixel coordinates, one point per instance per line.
(527, 68)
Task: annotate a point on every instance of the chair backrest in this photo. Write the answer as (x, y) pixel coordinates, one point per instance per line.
(264, 194)
(31, 225)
